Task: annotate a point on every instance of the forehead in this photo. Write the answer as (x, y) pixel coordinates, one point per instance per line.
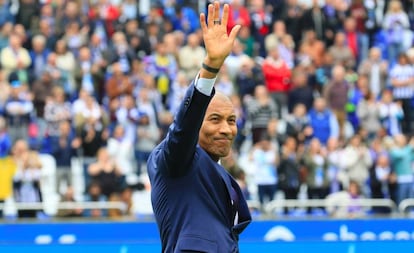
(221, 105)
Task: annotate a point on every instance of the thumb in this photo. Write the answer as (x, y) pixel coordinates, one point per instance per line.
(234, 31)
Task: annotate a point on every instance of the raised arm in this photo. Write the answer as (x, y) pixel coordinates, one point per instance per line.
(177, 150)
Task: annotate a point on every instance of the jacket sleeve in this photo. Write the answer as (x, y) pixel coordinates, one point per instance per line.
(176, 151)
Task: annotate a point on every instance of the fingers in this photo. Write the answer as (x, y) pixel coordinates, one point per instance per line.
(225, 17)
(234, 31)
(210, 15)
(216, 10)
(203, 22)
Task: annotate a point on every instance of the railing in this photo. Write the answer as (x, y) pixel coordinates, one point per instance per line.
(269, 208)
(68, 205)
(405, 204)
(329, 204)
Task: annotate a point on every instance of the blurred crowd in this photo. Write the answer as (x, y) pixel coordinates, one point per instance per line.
(323, 91)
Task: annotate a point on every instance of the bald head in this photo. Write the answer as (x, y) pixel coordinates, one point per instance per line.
(221, 97)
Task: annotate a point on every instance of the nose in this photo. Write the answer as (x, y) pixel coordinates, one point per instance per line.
(225, 128)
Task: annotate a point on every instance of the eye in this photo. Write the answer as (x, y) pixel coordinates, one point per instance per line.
(232, 121)
(215, 119)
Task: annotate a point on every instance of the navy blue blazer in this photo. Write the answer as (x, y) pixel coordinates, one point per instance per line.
(191, 193)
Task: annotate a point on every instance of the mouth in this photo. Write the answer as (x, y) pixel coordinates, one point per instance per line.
(223, 140)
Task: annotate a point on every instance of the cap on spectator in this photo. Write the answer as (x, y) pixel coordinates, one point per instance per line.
(14, 80)
(15, 83)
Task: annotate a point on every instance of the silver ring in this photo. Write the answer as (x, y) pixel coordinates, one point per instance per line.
(217, 22)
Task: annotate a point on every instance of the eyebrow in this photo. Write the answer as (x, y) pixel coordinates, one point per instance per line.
(216, 114)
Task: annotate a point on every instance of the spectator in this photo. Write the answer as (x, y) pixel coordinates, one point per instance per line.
(390, 113)
(63, 148)
(395, 26)
(7, 164)
(291, 15)
(106, 173)
(368, 112)
(341, 52)
(349, 202)
(75, 37)
(241, 118)
(274, 37)
(264, 159)
(59, 76)
(288, 172)
(89, 76)
(301, 92)
(316, 170)
(286, 50)
(47, 15)
(5, 32)
(26, 183)
(247, 40)
(94, 194)
(163, 67)
(43, 90)
(376, 69)
(323, 122)
(234, 60)
(148, 133)
(297, 124)
(402, 82)
(18, 110)
(401, 155)
(119, 84)
(154, 34)
(261, 111)
(138, 76)
(108, 13)
(120, 149)
(69, 213)
(56, 110)
(14, 57)
(238, 15)
(173, 41)
(361, 12)
(334, 159)
(99, 55)
(336, 95)
(66, 63)
(240, 178)
(315, 19)
(128, 116)
(148, 136)
(38, 56)
(120, 52)
(382, 181)
(356, 163)
(179, 87)
(261, 19)
(5, 88)
(86, 110)
(249, 77)
(224, 83)
(47, 29)
(311, 49)
(129, 10)
(190, 56)
(277, 79)
(185, 19)
(358, 42)
(358, 88)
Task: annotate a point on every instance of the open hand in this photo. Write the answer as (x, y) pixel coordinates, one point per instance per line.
(217, 42)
